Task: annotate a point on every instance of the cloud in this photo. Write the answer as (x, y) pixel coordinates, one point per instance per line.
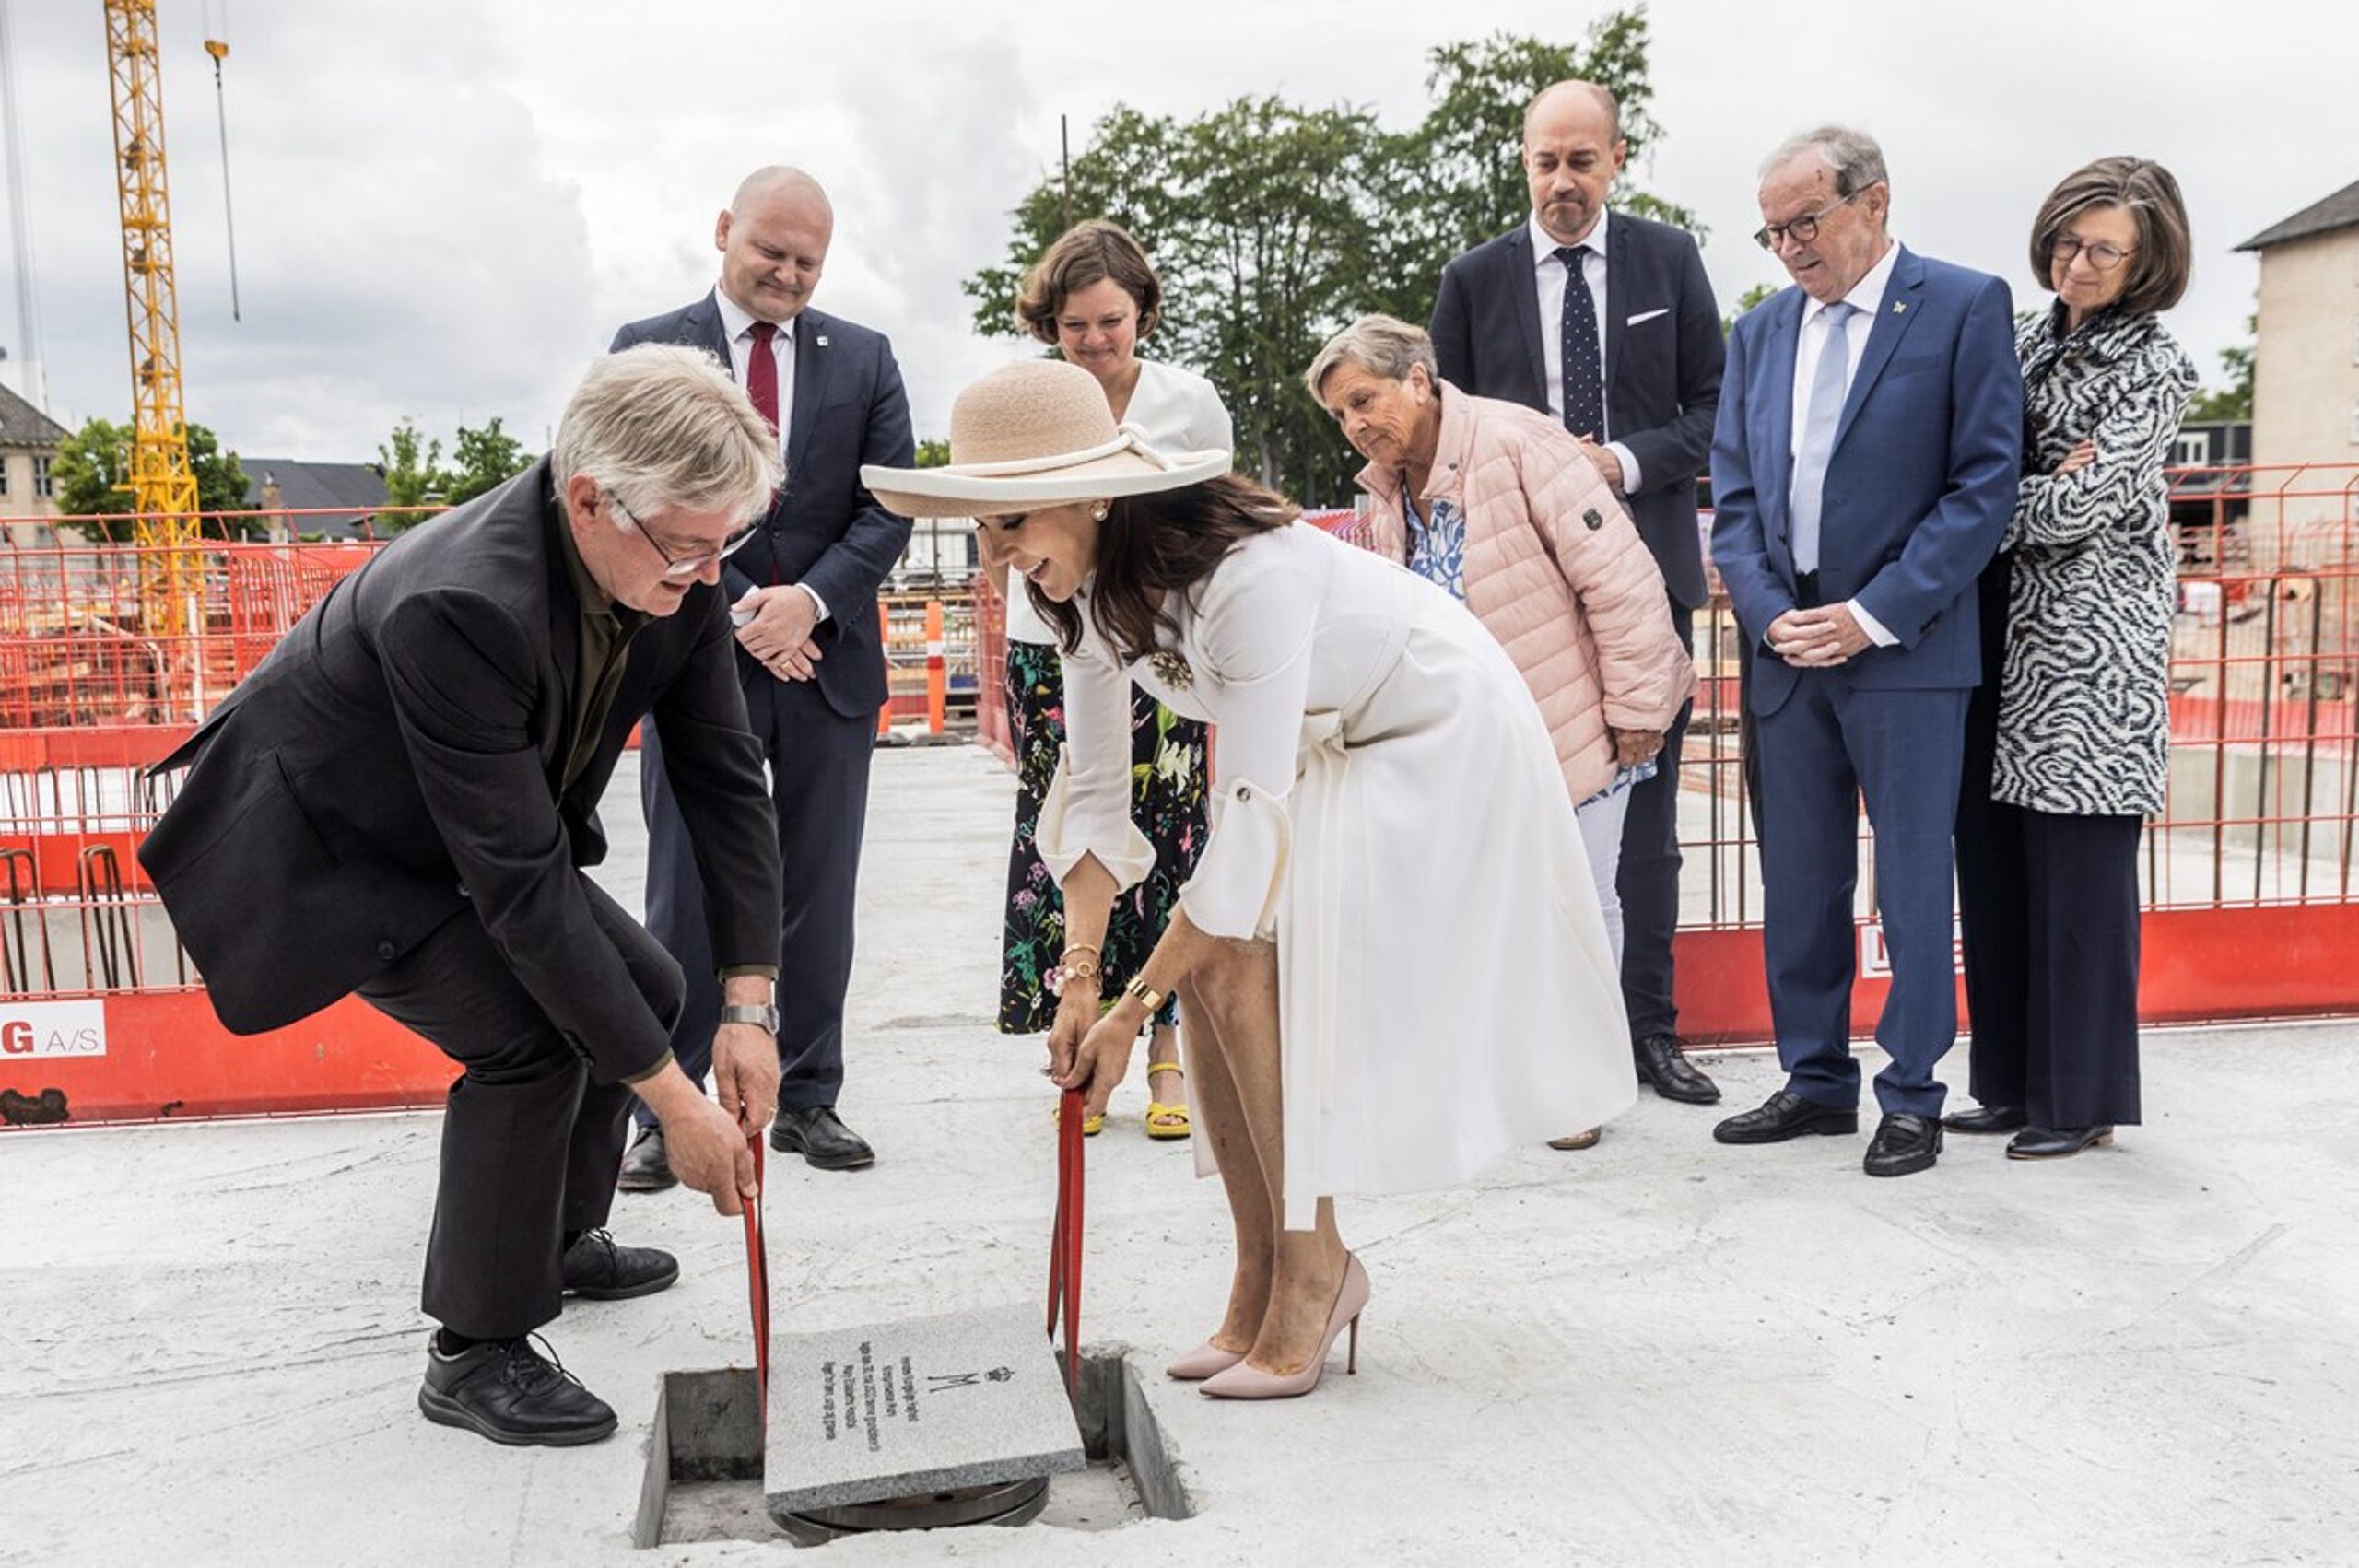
(445, 208)
(403, 246)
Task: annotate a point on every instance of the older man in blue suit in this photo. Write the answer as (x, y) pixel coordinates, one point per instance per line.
(810, 658)
(1864, 464)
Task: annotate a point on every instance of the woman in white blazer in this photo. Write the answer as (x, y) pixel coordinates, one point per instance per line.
(1394, 887)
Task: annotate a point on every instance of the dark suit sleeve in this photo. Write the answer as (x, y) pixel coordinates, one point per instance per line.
(1739, 547)
(1452, 330)
(1671, 455)
(460, 671)
(1949, 547)
(714, 766)
(846, 575)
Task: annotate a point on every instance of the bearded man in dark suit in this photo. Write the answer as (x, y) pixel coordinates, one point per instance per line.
(1633, 368)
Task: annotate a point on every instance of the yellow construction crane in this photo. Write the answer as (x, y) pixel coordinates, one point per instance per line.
(163, 485)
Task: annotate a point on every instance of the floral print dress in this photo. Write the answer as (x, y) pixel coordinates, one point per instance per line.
(1168, 789)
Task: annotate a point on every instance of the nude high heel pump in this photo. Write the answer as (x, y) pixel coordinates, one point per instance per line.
(1245, 1381)
(1202, 1362)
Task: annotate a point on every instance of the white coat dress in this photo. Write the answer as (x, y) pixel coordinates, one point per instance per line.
(1387, 806)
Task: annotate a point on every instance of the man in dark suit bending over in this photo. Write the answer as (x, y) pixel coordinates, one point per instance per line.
(1607, 322)
(399, 802)
(810, 658)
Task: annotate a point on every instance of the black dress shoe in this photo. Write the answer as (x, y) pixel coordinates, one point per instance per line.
(821, 1138)
(2056, 1142)
(1903, 1144)
(596, 1269)
(1986, 1119)
(1787, 1114)
(507, 1391)
(1665, 1066)
(645, 1166)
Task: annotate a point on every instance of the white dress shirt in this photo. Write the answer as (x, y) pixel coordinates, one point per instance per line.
(1866, 299)
(1548, 280)
(739, 324)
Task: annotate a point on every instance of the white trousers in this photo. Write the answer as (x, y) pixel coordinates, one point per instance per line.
(1601, 824)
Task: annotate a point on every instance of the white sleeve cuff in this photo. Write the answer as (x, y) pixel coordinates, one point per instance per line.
(1243, 870)
(817, 602)
(1874, 628)
(1632, 475)
(1069, 831)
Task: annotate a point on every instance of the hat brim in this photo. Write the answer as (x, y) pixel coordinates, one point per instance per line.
(954, 491)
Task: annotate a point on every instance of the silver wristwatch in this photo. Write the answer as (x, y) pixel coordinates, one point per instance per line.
(763, 1016)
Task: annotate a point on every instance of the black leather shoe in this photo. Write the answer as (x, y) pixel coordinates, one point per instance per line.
(645, 1166)
(821, 1138)
(506, 1390)
(1787, 1114)
(1986, 1119)
(596, 1269)
(1903, 1144)
(1665, 1066)
(2056, 1142)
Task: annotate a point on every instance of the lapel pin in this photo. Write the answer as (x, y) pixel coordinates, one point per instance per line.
(1899, 308)
(821, 340)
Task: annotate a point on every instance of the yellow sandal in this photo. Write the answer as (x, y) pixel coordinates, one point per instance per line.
(1091, 1126)
(1164, 1121)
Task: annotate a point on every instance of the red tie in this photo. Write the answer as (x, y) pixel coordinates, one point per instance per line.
(761, 374)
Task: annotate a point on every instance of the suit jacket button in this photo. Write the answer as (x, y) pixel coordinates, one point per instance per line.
(388, 952)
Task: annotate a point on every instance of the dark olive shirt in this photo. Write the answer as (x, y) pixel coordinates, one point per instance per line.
(606, 631)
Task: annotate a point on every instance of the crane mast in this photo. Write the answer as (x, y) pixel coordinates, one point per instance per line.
(163, 485)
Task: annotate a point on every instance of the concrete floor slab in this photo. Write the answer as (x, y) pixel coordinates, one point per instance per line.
(1659, 1351)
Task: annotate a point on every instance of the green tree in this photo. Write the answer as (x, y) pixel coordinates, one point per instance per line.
(220, 481)
(482, 459)
(1272, 224)
(415, 476)
(932, 455)
(92, 471)
(2234, 400)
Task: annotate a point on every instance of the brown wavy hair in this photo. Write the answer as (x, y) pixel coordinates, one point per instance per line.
(1090, 251)
(1152, 546)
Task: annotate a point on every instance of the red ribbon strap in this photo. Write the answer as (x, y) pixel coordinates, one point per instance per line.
(1065, 1239)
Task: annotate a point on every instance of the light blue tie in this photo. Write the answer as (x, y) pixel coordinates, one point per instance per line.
(1828, 386)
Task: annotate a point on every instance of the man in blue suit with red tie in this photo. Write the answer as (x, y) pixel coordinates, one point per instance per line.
(810, 657)
(1864, 465)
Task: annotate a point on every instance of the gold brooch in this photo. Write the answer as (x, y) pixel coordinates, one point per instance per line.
(1171, 669)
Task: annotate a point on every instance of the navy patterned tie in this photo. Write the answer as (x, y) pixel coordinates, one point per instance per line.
(1584, 361)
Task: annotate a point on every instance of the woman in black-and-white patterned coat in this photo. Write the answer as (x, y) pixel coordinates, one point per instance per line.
(2069, 738)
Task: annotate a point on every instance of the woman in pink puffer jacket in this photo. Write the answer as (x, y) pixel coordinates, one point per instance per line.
(1498, 504)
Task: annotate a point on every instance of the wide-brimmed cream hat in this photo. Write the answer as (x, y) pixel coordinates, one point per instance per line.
(1036, 433)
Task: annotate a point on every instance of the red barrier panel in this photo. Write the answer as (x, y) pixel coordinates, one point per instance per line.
(157, 1055)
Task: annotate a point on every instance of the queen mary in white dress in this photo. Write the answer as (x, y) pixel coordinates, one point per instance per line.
(1394, 887)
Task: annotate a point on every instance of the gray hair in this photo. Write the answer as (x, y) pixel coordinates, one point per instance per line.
(1382, 346)
(1853, 157)
(660, 426)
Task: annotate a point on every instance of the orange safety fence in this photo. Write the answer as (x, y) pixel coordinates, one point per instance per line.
(930, 664)
(2249, 872)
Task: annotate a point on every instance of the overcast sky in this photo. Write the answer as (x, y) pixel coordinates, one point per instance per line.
(446, 206)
